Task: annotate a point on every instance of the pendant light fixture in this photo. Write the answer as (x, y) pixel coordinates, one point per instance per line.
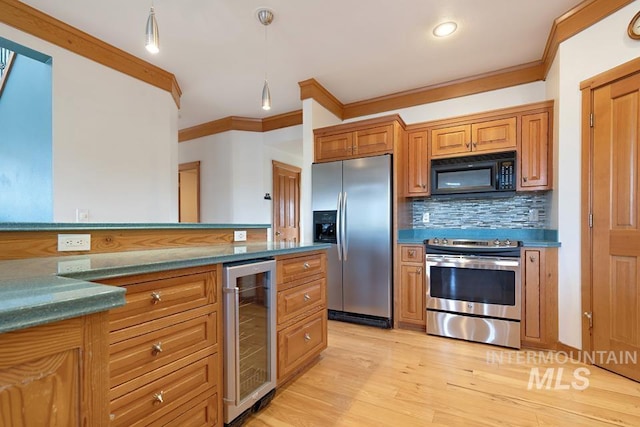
(265, 16)
(152, 38)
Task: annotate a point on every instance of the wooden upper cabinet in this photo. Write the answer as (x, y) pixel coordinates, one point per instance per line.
(482, 137)
(359, 139)
(378, 140)
(494, 135)
(535, 151)
(417, 167)
(334, 147)
(450, 140)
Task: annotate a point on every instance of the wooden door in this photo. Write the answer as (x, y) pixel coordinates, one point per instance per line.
(451, 140)
(286, 202)
(616, 234)
(378, 140)
(189, 192)
(534, 152)
(418, 164)
(494, 135)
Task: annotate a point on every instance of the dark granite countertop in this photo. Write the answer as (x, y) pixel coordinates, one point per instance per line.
(36, 291)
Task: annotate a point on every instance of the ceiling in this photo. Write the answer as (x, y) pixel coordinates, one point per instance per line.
(356, 49)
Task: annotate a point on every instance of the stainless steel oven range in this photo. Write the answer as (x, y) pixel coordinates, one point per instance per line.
(474, 290)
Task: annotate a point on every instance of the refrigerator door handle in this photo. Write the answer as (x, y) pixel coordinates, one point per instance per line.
(338, 225)
(345, 241)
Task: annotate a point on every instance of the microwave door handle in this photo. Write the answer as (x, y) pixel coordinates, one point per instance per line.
(338, 225)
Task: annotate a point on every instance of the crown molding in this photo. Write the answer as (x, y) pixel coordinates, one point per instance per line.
(512, 76)
(32, 21)
(312, 89)
(575, 20)
(247, 124)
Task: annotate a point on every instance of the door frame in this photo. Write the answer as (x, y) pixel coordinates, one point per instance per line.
(588, 87)
(184, 167)
(274, 205)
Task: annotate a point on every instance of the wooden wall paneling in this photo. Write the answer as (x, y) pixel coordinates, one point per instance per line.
(27, 244)
(30, 20)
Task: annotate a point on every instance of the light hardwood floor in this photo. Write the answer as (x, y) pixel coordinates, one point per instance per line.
(375, 377)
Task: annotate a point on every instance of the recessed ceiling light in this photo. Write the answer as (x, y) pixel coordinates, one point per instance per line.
(445, 29)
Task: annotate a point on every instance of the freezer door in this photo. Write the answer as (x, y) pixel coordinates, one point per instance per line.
(367, 265)
(326, 186)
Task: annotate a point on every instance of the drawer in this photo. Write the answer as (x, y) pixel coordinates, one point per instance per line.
(302, 299)
(149, 402)
(412, 253)
(163, 297)
(203, 413)
(303, 267)
(301, 342)
(141, 354)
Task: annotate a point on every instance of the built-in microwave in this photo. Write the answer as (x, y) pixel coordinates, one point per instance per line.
(485, 173)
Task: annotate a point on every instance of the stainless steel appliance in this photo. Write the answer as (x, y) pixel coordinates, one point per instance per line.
(249, 338)
(474, 290)
(485, 173)
(353, 198)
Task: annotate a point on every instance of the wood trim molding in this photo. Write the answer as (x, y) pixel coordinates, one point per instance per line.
(507, 77)
(7, 70)
(585, 230)
(25, 18)
(575, 20)
(312, 89)
(292, 118)
(609, 76)
(248, 124)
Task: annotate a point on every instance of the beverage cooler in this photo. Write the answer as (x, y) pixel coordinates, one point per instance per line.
(249, 338)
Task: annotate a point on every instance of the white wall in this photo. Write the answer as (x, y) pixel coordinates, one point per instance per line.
(593, 51)
(486, 101)
(236, 172)
(114, 141)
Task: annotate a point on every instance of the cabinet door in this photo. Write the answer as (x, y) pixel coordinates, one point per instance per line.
(42, 392)
(418, 164)
(334, 147)
(534, 152)
(378, 140)
(450, 140)
(539, 323)
(494, 135)
(412, 294)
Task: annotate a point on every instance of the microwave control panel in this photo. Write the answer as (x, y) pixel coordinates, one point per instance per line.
(506, 175)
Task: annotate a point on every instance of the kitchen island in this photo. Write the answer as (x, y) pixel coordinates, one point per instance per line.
(61, 344)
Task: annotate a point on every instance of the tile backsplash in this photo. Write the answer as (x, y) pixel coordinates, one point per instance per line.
(518, 211)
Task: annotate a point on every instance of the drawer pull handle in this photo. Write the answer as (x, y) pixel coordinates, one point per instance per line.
(156, 348)
(307, 297)
(524, 178)
(155, 297)
(412, 253)
(307, 337)
(419, 270)
(475, 144)
(306, 265)
(466, 144)
(158, 398)
(532, 258)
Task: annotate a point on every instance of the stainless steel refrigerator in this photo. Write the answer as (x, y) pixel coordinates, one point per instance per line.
(353, 210)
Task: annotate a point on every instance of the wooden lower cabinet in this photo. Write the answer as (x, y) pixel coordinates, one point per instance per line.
(55, 374)
(302, 311)
(539, 324)
(165, 348)
(411, 295)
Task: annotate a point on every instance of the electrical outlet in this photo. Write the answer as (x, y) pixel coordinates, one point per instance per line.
(82, 215)
(74, 266)
(426, 217)
(240, 236)
(74, 242)
(240, 250)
